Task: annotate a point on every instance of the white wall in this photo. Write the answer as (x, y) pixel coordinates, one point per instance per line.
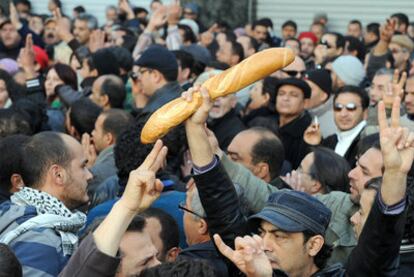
(340, 12)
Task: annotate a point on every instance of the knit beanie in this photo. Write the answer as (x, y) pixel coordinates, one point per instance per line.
(321, 78)
(349, 69)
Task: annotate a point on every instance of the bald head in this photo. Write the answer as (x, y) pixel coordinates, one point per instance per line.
(260, 150)
(108, 91)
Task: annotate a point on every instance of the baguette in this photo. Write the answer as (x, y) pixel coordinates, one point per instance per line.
(252, 69)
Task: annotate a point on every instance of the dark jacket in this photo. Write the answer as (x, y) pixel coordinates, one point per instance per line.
(376, 253)
(88, 261)
(292, 138)
(226, 128)
(206, 251)
(352, 151)
(168, 92)
(4, 195)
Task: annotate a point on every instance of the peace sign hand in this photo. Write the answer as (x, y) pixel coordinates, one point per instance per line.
(143, 188)
(397, 143)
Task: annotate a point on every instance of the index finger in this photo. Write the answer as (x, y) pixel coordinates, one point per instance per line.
(223, 248)
(402, 80)
(395, 76)
(58, 13)
(395, 113)
(29, 42)
(382, 116)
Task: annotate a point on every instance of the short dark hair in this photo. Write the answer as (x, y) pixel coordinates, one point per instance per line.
(402, 18)
(79, 9)
(137, 224)
(265, 22)
(11, 149)
(268, 149)
(23, 2)
(9, 264)
(336, 178)
(90, 19)
(83, 114)
(294, 39)
(46, 149)
(13, 123)
(114, 88)
(321, 259)
(189, 35)
(340, 41)
(373, 28)
(355, 44)
(169, 229)
(123, 56)
(66, 74)
(370, 141)
(58, 3)
(116, 121)
(237, 49)
(184, 59)
(355, 21)
(363, 95)
(290, 23)
(180, 268)
(130, 142)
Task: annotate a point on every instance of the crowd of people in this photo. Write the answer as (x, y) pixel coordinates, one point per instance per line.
(308, 172)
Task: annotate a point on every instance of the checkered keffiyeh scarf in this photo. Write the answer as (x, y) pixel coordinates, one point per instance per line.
(52, 214)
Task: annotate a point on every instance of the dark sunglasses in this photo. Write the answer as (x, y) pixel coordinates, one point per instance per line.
(181, 206)
(293, 73)
(350, 107)
(326, 44)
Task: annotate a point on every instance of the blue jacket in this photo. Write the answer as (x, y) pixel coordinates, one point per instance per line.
(38, 250)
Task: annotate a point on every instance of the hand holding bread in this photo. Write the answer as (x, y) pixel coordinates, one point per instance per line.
(252, 69)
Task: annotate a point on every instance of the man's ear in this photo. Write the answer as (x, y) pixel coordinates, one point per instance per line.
(17, 183)
(93, 73)
(104, 100)
(261, 170)
(186, 72)
(316, 187)
(202, 227)
(172, 254)
(314, 245)
(57, 174)
(109, 138)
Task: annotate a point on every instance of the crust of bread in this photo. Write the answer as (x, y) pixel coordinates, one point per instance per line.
(252, 69)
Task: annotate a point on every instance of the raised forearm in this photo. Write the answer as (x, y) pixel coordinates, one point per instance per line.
(200, 149)
(393, 187)
(109, 233)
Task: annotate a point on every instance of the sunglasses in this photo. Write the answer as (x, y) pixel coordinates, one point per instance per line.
(349, 107)
(326, 44)
(294, 73)
(181, 206)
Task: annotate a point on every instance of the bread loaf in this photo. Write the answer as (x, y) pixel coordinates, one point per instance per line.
(252, 69)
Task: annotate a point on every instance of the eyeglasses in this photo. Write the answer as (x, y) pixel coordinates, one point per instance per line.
(294, 73)
(326, 44)
(349, 107)
(182, 205)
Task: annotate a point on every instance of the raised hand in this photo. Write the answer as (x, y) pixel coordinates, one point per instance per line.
(126, 8)
(174, 11)
(62, 26)
(312, 134)
(397, 143)
(395, 89)
(248, 255)
(143, 188)
(26, 59)
(14, 16)
(158, 19)
(97, 40)
(294, 180)
(193, 94)
(89, 150)
(387, 30)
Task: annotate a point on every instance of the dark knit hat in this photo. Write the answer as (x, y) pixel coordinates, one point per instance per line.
(105, 62)
(321, 78)
(159, 58)
(296, 83)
